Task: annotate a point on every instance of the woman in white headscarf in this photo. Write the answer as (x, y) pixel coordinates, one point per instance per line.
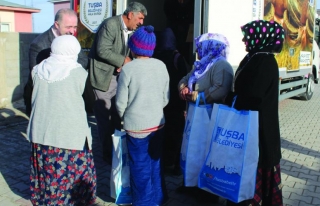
(62, 167)
(213, 76)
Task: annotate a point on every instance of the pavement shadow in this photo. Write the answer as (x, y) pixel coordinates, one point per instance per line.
(299, 149)
(300, 162)
(15, 157)
(15, 168)
(10, 116)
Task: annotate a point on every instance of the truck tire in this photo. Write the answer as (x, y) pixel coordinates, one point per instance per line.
(315, 74)
(309, 89)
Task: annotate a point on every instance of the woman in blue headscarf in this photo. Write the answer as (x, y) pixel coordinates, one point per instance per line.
(212, 74)
(256, 86)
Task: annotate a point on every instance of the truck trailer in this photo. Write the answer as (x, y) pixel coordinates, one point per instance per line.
(298, 61)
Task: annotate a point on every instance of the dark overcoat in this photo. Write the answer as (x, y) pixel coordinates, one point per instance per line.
(257, 88)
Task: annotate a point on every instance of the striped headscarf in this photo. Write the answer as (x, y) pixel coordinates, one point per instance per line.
(211, 47)
(263, 35)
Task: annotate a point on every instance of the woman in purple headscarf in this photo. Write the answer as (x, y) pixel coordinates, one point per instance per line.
(256, 86)
(213, 76)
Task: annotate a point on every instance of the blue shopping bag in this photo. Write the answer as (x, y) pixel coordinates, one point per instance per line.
(120, 172)
(193, 152)
(231, 163)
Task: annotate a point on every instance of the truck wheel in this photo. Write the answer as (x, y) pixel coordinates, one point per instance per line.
(315, 74)
(309, 88)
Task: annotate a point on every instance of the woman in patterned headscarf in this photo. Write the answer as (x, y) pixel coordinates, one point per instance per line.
(256, 86)
(213, 75)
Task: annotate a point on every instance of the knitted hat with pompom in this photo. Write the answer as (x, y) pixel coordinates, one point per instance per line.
(143, 41)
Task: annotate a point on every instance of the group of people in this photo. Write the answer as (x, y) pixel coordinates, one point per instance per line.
(141, 84)
(255, 86)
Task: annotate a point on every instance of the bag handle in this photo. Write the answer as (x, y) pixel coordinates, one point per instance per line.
(234, 101)
(200, 95)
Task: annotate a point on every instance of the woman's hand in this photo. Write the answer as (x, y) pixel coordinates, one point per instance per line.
(192, 96)
(184, 92)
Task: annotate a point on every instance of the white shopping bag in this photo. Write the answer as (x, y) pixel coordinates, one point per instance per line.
(231, 164)
(193, 152)
(120, 172)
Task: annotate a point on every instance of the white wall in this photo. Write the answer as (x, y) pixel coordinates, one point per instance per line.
(226, 17)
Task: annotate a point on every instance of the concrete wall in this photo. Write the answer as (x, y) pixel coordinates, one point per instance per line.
(14, 65)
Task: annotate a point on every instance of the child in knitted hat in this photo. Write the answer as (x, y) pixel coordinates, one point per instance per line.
(142, 93)
(143, 42)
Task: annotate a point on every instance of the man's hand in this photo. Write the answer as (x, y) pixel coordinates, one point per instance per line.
(126, 60)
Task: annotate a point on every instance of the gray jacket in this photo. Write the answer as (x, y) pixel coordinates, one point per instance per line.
(107, 52)
(142, 93)
(58, 117)
(216, 83)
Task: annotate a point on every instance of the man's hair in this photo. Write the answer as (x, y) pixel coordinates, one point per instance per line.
(136, 7)
(61, 12)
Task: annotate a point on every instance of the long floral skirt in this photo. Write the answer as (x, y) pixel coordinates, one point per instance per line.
(62, 176)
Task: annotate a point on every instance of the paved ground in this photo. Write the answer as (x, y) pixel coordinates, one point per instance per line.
(300, 132)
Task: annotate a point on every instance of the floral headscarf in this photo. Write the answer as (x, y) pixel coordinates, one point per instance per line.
(263, 35)
(211, 47)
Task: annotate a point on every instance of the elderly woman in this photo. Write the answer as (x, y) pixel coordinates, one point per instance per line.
(213, 76)
(256, 86)
(62, 167)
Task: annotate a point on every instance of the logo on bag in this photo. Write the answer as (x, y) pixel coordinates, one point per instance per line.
(228, 182)
(225, 181)
(208, 175)
(229, 137)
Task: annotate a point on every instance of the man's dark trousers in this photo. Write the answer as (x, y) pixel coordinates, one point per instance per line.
(107, 117)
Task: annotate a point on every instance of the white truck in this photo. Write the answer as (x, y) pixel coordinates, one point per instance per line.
(299, 60)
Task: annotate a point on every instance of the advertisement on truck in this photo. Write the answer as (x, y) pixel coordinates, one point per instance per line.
(300, 52)
(297, 19)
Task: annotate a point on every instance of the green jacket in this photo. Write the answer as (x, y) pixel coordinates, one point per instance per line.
(107, 53)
